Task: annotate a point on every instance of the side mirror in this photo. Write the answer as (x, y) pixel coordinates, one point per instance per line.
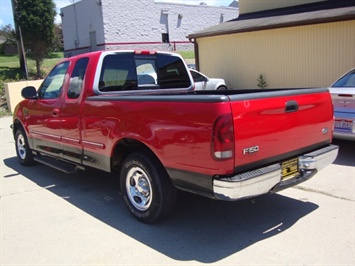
(29, 92)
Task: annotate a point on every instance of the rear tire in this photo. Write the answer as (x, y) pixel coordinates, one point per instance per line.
(23, 151)
(222, 88)
(146, 188)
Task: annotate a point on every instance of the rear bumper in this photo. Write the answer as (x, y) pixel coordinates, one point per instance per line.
(268, 179)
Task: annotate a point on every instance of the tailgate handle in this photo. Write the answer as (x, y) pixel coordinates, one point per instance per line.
(291, 106)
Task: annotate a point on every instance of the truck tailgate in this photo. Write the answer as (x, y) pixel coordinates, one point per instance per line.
(279, 124)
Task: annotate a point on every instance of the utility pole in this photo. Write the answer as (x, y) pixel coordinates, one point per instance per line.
(19, 41)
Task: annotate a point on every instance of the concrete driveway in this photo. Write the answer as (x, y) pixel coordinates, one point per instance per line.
(50, 218)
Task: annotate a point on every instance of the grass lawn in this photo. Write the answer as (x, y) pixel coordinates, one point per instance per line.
(10, 66)
(187, 54)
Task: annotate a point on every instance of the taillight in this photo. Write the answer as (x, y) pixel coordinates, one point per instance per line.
(222, 146)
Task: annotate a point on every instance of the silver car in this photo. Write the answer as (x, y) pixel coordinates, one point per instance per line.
(203, 82)
(343, 97)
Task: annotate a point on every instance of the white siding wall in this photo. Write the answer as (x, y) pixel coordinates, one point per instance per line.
(302, 56)
(129, 24)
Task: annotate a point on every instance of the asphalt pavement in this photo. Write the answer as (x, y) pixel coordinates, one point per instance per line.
(52, 218)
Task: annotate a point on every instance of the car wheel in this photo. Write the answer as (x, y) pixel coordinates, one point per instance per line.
(146, 188)
(220, 88)
(23, 151)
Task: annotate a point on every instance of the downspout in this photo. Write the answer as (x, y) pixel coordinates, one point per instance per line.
(197, 57)
(77, 40)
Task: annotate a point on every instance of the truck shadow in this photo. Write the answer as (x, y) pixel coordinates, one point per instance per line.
(346, 155)
(200, 229)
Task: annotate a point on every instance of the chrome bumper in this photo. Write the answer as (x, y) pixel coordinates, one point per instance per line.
(268, 179)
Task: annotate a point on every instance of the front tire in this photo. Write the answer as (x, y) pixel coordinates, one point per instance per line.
(23, 151)
(146, 188)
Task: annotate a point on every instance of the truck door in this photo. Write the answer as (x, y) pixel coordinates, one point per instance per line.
(70, 112)
(44, 114)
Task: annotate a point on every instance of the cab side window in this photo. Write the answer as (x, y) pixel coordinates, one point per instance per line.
(77, 78)
(52, 85)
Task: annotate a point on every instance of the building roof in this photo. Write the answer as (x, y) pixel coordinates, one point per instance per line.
(234, 4)
(315, 13)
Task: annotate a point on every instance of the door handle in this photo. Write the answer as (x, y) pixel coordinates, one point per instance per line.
(291, 106)
(55, 112)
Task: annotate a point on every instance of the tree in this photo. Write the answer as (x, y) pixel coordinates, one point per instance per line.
(35, 18)
(58, 43)
(7, 37)
(8, 34)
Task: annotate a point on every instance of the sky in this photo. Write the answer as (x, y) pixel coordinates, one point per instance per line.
(6, 15)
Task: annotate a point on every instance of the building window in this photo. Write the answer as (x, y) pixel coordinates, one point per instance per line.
(165, 37)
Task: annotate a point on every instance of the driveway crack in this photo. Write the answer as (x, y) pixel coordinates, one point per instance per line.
(321, 192)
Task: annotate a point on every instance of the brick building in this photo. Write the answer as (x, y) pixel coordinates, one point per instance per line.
(90, 25)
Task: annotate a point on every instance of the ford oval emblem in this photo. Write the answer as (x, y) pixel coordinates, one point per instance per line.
(325, 130)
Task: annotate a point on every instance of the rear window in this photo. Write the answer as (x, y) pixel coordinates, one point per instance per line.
(346, 81)
(118, 73)
(127, 71)
(172, 72)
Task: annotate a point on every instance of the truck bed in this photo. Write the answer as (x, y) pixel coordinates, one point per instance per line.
(277, 123)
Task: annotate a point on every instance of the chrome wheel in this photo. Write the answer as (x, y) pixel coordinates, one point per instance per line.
(139, 188)
(146, 187)
(23, 150)
(21, 146)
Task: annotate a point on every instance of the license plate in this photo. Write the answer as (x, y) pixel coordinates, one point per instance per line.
(289, 168)
(343, 125)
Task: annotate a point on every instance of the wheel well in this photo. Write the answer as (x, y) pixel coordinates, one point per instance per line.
(125, 147)
(16, 125)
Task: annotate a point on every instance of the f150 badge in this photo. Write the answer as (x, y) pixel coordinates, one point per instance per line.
(250, 150)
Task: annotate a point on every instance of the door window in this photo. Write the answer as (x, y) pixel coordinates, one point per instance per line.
(197, 77)
(52, 85)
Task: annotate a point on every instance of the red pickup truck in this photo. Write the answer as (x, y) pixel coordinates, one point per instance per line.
(137, 112)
